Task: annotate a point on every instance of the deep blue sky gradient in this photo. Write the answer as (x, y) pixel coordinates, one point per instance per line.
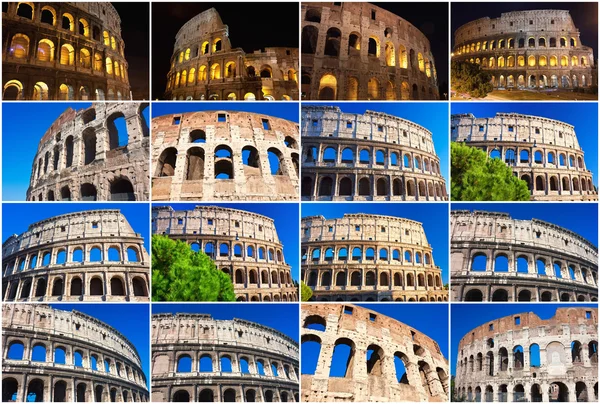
(465, 317)
(433, 216)
(583, 116)
(22, 129)
(284, 110)
(285, 215)
(16, 217)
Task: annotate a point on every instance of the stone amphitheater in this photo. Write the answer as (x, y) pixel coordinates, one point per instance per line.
(362, 257)
(497, 258)
(84, 359)
(244, 245)
(231, 360)
(359, 51)
(367, 157)
(385, 342)
(91, 256)
(83, 157)
(522, 358)
(224, 156)
(543, 152)
(528, 49)
(63, 51)
(204, 66)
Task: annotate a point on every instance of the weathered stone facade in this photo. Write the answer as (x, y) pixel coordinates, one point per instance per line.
(496, 360)
(527, 49)
(362, 257)
(92, 255)
(369, 157)
(63, 51)
(545, 262)
(79, 157)
(224, 156)
(263, 361)
(358, 51)
(87, 346)
(543, 152)
(204, 66)
(242, 244)
(375, 379)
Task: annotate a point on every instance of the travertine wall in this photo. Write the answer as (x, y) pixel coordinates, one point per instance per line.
(374, 156)
(426, 377)
(358, 51)
(73, 332)
(79, 157)
(495, 361)
(224, 156)
(210, 342)
(527, 49)
(362, 257)
(242, 244)
(52, 260)
(560, 264)
(43, 58)
(543, 152)
(204, 66)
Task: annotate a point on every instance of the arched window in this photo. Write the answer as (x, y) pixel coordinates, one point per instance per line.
(19, 46)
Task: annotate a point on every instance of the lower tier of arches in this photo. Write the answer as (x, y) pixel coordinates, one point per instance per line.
(201, 391)
(380, 296)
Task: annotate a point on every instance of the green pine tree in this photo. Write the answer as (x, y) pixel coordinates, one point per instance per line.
(471, 79)
(305, 292)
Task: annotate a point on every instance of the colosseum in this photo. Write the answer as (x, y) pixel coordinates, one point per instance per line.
(201, 359)
(92, 255)
(83, 157)
(359, 51)
(527, 49)
(63, 51)
(204, 66)
(385, 343)
(500, 259)
(523, 358)
(363, 257)
(225, 156)
(543, 152)
(368, 157)
(244, 245)
(53, 355)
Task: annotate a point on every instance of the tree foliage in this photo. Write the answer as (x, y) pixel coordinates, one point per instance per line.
(475, 177)
(471, 79)
(305, 292)
(182, 275)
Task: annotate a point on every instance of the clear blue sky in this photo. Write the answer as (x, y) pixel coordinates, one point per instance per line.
(431, 115)
(583, 116)
(430, 319)
(21, 135)
(284, 110)
(280, 316)
(285, 215)
(581, 218)
(16, 217)
(132, 320)
(465, 317)
(433, 216)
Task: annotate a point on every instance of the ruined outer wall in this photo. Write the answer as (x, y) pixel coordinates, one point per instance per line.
(541, 243)
(426, 376)
(187, 170)
(253, 257)
(40, 264)
(33, 325)
(552, 163)
(397, 276)
(557, 362)
(79, 157)
(408, 170)
(198, 336)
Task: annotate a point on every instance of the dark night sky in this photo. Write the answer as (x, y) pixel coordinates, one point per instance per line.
(585, 15)
(135, 31)
(432, 20)
(250, 28)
